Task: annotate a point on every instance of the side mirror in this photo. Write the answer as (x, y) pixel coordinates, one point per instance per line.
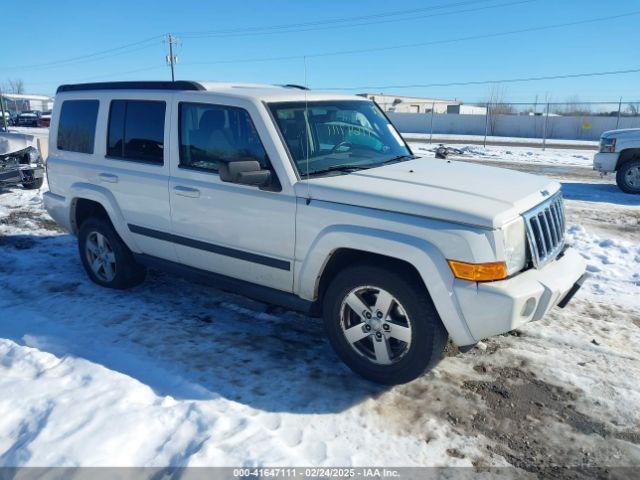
(244, 172)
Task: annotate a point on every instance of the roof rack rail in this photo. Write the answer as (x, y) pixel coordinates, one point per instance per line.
(293, 85)
(145, 85)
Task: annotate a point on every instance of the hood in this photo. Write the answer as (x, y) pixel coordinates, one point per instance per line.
(11, 142)
(620, 132)
(459, 192)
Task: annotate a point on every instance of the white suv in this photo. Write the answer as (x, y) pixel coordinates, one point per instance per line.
(312, 201)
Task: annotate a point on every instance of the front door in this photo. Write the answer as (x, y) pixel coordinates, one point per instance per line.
(235, 230)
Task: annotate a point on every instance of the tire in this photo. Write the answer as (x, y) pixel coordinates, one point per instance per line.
(408, 359)
(628, 176)
(122, 271)
(33, 185)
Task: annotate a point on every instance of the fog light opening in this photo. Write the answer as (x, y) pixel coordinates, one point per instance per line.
(529, 307)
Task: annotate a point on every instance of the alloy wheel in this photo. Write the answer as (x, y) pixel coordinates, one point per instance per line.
(375, 324)
(100, 256)
(632, 177)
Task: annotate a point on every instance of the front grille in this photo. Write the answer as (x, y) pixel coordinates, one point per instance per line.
(545, 230)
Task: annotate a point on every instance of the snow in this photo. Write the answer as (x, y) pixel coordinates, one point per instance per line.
(173, 373)
(527, 155)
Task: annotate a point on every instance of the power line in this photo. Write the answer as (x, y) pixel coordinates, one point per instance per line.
(350, 25)
(329, 21)
(419, 44)
(270, 28)
(103, 54)
(488, 82)
(126, 48)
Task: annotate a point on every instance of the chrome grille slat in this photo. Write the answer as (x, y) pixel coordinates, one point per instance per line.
(556, 218)
(552, 224)
(543, 241)
(545, 226)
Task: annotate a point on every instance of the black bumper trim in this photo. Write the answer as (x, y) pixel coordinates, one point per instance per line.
(576, 286)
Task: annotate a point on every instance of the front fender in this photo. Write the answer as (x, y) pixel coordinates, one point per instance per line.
(424, 256)
(105, 198)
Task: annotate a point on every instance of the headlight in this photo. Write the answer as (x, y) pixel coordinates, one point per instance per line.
(31, 156)
(608, 145)
(515, 245)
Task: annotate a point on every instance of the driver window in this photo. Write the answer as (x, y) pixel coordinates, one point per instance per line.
(214, 134)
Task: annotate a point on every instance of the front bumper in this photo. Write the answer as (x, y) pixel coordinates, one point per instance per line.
(13, 176)
(493, 308)
(605, 161)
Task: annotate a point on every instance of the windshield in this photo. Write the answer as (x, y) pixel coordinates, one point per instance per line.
(337, 135)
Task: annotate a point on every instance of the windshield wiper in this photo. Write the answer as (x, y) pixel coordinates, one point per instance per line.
(341, 168)
(396, 159)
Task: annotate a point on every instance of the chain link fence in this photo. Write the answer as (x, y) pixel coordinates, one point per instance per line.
(542, 124)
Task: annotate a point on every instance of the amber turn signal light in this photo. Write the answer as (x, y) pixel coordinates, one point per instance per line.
(478, 272)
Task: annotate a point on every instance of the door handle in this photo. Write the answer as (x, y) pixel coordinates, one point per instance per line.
(186, 191)
(108, 177)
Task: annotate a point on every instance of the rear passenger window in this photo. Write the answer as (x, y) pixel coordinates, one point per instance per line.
(136, 130)
(211, 134)
(77, 125)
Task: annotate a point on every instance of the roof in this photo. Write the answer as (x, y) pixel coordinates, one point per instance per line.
(414, 99)
(263, 92)
(23, 96)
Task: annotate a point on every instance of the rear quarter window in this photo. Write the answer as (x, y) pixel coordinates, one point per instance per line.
(136, 131)
(77, 125)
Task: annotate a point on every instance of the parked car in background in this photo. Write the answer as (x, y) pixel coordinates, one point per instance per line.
(312, 201)
(45, 120)
(620, 153)
(20, 161)
(28, 118)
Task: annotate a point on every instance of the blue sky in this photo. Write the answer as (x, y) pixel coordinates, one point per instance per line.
(37, 32)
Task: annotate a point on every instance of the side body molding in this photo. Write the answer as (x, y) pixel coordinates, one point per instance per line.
(420, 253)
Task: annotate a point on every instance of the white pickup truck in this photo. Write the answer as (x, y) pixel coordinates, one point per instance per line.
(620, 153)
(312, 201)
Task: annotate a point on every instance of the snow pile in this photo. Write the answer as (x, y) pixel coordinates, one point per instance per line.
(614, 264)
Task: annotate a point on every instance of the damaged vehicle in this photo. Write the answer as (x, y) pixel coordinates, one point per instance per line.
(20, 161)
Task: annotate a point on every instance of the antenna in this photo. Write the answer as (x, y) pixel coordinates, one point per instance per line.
(306, 128)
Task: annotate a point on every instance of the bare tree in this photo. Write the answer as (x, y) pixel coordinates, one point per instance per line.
(574, 107)
(14, 85)
(496, 105)
(633, 109)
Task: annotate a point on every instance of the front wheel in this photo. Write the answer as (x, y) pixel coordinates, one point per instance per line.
(628, 177)
(33, 184)
(105, 257)
(382, 324)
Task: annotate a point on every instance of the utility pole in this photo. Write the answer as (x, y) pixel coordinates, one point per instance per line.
(171, 58)
(4, 119)
(619, 113)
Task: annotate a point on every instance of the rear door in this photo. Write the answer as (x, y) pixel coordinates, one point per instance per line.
(135, 165)
(239, 231)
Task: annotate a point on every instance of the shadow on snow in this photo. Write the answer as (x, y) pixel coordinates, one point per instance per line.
(179, 338)
(598, 192)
